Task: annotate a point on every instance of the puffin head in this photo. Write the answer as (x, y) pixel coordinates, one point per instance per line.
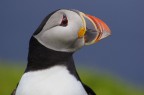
(69, 30)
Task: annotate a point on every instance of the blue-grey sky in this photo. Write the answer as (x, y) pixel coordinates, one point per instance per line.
(121, 54)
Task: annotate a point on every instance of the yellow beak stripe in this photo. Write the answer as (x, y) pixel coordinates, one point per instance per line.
(81, 32)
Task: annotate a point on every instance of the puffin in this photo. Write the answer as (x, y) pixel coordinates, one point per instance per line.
(50, 69)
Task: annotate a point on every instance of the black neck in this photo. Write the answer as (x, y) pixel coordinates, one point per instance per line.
(40, 57)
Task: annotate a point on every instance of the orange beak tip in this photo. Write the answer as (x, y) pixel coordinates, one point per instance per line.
(96, 29)
(101, 26)
(105, 34)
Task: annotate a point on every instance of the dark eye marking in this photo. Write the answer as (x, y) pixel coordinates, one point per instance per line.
(64, 21)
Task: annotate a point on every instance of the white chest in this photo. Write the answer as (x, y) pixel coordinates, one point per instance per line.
(54, 81)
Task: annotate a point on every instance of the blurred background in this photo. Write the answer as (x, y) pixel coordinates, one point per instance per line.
(114, 66)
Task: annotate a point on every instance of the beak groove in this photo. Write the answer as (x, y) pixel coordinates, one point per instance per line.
(102, 27)
(96, 29)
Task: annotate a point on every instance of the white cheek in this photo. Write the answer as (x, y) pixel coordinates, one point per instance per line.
(59, 34)
(61, 38)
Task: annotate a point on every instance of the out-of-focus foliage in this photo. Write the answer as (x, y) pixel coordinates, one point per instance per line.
(9, 77)
(104, 84)
(100, 83)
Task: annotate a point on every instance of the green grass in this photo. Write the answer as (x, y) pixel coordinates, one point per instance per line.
(102, 84)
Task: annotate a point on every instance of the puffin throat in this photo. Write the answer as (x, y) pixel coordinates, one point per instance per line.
(40, 57)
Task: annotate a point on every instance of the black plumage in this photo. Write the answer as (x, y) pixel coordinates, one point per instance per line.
(40, 54)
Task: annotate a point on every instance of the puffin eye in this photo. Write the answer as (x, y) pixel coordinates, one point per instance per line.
(64, 21)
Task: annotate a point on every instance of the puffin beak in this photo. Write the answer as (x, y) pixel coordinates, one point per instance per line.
(94, 29)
